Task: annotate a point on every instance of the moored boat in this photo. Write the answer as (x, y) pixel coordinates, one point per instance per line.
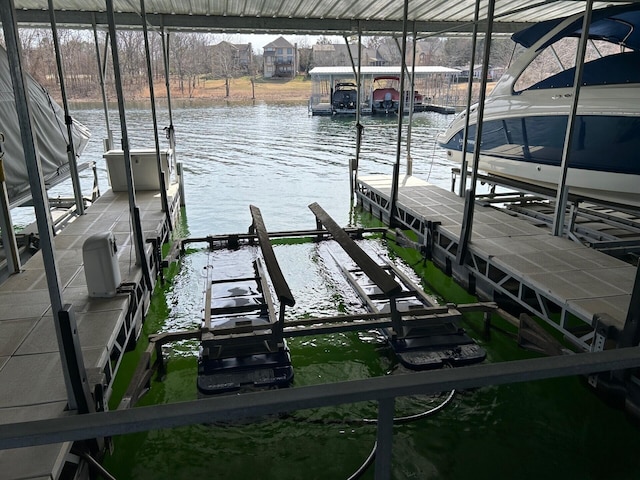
(385, 97)
(525, 117)
(345, 99)
(49, 127)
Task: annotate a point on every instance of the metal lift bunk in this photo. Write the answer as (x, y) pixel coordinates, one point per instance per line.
(430, 338)
(242, 344)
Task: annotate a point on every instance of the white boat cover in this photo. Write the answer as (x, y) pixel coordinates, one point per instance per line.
(50, 131)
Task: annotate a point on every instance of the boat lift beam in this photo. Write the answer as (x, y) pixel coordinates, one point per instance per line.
(283, 292)
(134, 211)
(563, 189)
(385, 282)
(162, 175)
(469, 205)
(71, 151)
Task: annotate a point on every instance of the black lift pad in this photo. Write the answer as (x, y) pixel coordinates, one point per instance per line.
(435, 351)
(244, 373)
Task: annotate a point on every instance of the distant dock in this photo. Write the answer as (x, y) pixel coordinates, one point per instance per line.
(324, 109)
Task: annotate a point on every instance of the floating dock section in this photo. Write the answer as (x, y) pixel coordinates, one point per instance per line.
(31, 377)
(581, 292)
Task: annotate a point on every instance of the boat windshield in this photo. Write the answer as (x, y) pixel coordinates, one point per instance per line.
(554, 67)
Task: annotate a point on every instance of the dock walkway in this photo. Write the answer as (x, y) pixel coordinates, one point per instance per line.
(31, 377)
(566, 283)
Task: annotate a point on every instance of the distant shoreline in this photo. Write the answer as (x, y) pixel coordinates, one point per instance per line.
(297, 89)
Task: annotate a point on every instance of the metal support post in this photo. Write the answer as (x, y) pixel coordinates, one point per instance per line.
(101, 74)
(6, 224)
(36, 181)
(396, 167)
(470, 198)
(137, 240)
(386, 411)
(396, 317)
(356, 73)
(165, 58)
(472, 66)
(563, 189)
(71, 150)
(75, 360)
(359, 126)
(152, 98)
(179, 172)
(412, 102)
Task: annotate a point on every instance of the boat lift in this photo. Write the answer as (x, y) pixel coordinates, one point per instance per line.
(424, 342)
(243, 334)
(242, 345)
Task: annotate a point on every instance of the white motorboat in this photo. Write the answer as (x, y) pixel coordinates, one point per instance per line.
(525, 117)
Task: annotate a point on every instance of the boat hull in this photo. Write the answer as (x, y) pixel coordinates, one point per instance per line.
(523, 139)
(526, 114)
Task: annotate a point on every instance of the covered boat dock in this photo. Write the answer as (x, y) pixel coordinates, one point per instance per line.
(432, 82)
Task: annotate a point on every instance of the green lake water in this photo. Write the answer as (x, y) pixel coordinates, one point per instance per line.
(279, 158)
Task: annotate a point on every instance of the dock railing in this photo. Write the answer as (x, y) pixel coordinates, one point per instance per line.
(382, 389)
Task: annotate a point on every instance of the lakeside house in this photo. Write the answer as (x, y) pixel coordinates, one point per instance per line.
(280, 59)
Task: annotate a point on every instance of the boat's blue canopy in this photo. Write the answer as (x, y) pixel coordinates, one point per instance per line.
(618, 24)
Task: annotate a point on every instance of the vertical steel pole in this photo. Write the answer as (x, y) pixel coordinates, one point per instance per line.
(412, 103)
(386, 407)
(359, 126)
(470, 197)
(563, 189)
(101, 72)
(71, 150)
(472, 66)
(396, 168)
(36, 181)
(356, 74)
(165, 58)
(6, 224)
(152, 97)
(137, 240)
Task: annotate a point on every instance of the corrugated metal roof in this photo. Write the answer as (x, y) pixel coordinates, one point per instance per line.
(303, 16)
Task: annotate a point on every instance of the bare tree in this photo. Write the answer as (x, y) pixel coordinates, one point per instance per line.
(224, 61)
(305, 55)
(188, 53)
(372, 42)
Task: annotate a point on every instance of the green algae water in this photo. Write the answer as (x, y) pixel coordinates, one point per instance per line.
(278, 158)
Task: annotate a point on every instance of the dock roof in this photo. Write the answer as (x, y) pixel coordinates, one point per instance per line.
(389, 70)
(302, 16)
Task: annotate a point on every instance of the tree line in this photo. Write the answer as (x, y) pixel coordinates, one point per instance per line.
(192, 58)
